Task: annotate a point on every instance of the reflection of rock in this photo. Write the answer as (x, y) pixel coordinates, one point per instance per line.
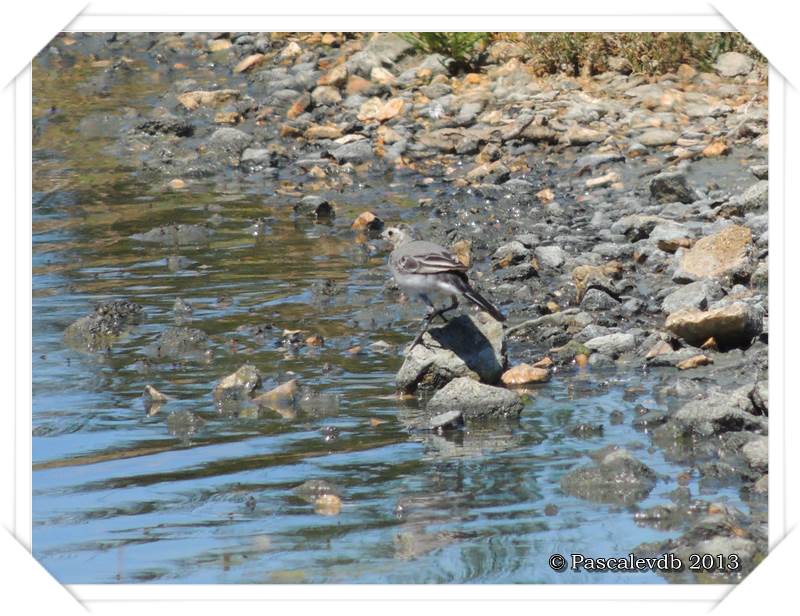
(468, 345)
(617, 478)
(175, 234)
(449, 420)
(474, 441)
(318, 404)
(184, 424)
(475, 400)
(99, 330)
(153, 400)
(414, 541)
(313, 489)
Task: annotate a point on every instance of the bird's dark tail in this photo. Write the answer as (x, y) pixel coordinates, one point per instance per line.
(480, 301)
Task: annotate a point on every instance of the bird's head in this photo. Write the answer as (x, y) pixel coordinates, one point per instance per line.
(396, 236)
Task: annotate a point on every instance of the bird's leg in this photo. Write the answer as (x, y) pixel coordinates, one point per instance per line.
(426, 324)
(426, 321)
(452, 306)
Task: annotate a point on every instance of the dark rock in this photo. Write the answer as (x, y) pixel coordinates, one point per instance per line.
(668, 187)
(314, 206)
(166, 126)
(100, 329)
(618, 478)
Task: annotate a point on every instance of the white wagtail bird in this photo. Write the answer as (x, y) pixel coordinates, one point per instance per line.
(428, 272)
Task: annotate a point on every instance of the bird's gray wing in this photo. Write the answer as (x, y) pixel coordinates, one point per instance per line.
(426, 258)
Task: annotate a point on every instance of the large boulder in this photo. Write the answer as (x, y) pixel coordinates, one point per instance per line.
(727, 253)
(467, 346)
(475, 400)
(617, 478)
(735, 324)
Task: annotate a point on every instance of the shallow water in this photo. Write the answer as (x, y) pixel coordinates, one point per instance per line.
(123, 496)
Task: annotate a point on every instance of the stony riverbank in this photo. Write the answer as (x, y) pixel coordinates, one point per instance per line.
(619, 220)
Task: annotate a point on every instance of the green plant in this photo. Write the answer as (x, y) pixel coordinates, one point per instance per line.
(651, 53)
(462, 51)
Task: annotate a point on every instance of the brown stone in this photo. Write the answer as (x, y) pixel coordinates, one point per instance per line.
(299, 106)
(249, 62)
(206, 98)
(695, 362)
(375, 109)
(461, 249)
(546, 195)
(522, 374)
(322, 132)
(716, 148)
(219, 45)
(382, 76)
(315, 340)
(357, 85)
(710, 345)
(337, 76)
(227, 117)
(717, 255)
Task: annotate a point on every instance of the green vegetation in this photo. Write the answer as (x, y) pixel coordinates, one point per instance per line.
(650, 53)
(463, 51)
